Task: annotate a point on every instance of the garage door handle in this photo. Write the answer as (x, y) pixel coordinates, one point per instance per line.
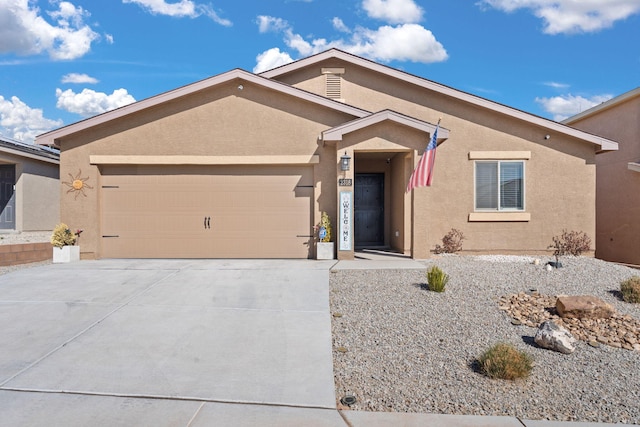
(208, 222)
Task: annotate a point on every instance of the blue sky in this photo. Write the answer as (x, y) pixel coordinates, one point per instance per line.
(63, 61)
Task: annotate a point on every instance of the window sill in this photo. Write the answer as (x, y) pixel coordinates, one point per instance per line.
(499, 216)
(634, 166)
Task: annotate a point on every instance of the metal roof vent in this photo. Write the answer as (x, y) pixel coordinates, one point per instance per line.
(333, 83)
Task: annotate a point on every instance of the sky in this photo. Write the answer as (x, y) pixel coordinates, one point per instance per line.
(65, 61)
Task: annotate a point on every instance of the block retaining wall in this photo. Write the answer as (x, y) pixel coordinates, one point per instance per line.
(25, 253)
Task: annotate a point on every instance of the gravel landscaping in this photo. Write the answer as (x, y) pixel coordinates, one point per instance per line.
(399, 347)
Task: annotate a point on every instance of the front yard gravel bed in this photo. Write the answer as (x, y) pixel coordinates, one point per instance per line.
(399, 347)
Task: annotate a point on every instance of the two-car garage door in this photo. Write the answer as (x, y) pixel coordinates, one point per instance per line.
(206, 211)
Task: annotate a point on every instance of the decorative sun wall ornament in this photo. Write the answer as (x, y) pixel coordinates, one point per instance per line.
(77, 184)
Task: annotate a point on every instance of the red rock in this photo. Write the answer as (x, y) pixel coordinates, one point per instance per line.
(583, 307)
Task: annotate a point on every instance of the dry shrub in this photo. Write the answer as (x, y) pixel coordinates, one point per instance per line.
(630, 289)
(571, 243)
(451, 242)
(504, 361)
(63, 236)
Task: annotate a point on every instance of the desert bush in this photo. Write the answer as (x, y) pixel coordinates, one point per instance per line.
(504, 361)
(630, 289)
(437, 279)
(451, 242)
(63, 236)
(571, 243)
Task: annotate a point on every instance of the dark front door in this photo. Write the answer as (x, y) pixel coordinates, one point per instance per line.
(7, 197)
(369, 209)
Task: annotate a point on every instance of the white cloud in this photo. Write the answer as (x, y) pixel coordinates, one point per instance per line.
(393, 11)
(566, 106)
(25, 31)
(78, 78)
(407, 42)
(556, 85)
(269, 23)
(571, 16)
(181, 9)
(339, 25)
(271, 58)
(89, 102)
(21, 122)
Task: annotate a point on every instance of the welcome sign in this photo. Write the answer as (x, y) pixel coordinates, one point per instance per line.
(345, 221)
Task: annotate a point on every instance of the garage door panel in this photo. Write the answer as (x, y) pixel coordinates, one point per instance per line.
(255, 212)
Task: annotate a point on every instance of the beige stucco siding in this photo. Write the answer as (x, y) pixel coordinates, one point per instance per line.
(246, 123)
(223, 121)
(559, 176)
(40, 205)
(37, 202)
(618, 186)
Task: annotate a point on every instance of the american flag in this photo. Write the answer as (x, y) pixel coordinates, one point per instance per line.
(423, 173)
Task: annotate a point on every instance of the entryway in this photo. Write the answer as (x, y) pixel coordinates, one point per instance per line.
(369, 209)
(7, 197)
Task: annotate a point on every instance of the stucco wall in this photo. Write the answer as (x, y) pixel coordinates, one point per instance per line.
(559, 176)
(36, 193)
(224, 121)
(256, 121)
(618, 187)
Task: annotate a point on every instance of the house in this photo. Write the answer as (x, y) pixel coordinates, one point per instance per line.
(617, 176)
(242, 165)
(29, 186)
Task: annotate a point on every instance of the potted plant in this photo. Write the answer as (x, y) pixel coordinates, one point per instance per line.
(324, 247)
(64, 244)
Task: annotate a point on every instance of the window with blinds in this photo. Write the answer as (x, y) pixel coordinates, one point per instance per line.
(499, 185)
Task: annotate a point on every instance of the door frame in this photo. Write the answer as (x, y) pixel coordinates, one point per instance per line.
(382, 231)
(11, 202)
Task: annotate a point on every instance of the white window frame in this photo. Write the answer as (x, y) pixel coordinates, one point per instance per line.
(499, 209)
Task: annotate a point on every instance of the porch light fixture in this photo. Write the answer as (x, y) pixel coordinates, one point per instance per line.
(345, 162)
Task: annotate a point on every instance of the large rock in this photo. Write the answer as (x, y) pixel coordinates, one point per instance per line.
(555, 338)
(583, 307)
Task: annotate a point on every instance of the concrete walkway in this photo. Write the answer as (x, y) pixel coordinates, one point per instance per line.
(180, 343)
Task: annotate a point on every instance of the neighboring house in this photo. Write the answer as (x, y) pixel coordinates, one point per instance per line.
(29, 186)
(242, 165)
(618, 176)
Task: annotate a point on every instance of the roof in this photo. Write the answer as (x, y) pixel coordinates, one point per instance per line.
(32, 151)
(51, 138)
(336, 133)
(604, 143)
(267, 80)
(604, 106)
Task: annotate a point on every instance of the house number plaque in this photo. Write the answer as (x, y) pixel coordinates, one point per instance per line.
(345, 221)
(345, 182)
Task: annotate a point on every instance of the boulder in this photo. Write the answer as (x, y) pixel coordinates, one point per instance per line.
(583, 307)
(554, 337)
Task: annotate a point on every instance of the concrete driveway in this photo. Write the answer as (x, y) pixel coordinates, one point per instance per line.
(167, 343)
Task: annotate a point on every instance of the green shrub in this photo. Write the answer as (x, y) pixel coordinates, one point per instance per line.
(437, 279)
(63, 236)
(504, 361)
(630, 289)
(451, 242)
